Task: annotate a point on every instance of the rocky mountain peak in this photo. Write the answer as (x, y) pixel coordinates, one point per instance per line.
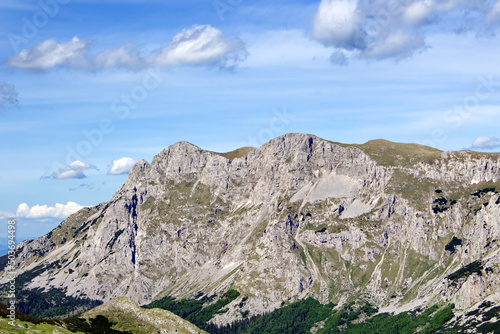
(298, 217)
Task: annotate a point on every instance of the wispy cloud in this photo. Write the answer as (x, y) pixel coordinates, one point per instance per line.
(123, 56)
(396, 29)
(121, 166)
(493, 17)
(6, 215)
(8, 95)
(44, 211)
(486, 143)
(74, 170)
(201, 45)
(87, 186)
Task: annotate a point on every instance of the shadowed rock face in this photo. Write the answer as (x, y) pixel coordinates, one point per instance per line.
(296, 217)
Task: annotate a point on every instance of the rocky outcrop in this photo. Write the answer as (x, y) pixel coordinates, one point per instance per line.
(296, 217)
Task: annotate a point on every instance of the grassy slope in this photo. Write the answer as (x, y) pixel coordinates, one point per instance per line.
(391, 154)
(387, 153)
(134, 319)
(238, 153)
(28, 327)
(25, 324)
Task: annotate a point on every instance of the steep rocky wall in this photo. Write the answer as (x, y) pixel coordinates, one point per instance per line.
(296, 217)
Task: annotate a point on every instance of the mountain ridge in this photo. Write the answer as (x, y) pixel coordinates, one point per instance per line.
(297, 217)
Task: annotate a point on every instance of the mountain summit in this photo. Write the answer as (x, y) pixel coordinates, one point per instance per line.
(398, 225)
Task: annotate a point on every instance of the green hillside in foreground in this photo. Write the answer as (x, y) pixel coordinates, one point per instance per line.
(121, 315)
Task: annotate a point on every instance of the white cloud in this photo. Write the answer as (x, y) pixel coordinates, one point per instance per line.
(398, 29)
(424, 11)
(417, 12)
(8, 94)
(74, 170)
(337, 22)
(199, 45)
(50, 53)
(121, 166)
(44, 211)
(486, 143)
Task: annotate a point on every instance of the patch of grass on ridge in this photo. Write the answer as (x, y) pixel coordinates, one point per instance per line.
(238, 153)
(387, 153)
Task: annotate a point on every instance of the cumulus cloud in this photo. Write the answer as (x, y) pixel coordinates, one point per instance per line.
(337, 24)
(486, 143)
(420, 12)
(44, 211)
(8, 95)
(121, 166)
(199, 45)
(376, 29)
(417, 12)
(50, 53)
(74, 170)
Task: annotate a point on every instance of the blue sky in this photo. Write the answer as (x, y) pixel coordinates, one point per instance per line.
(89, 87)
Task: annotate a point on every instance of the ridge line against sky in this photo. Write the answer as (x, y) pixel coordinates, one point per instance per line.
(89, 87)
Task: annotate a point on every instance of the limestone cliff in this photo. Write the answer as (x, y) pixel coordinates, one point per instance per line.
(299, 216)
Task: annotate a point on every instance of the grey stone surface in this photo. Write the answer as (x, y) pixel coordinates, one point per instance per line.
(296, 217)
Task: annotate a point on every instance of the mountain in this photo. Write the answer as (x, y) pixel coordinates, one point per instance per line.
(400, 226)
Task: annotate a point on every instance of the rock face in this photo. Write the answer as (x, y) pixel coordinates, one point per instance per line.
(297, 217)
